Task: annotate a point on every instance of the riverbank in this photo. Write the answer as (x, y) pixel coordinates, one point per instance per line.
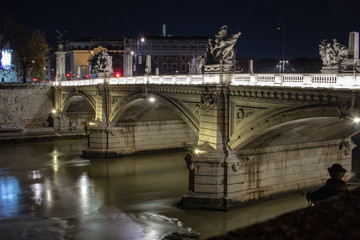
(38, 134)
(334, 218)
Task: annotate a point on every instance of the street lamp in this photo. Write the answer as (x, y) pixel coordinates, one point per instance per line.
(281, 65)
(281, 26)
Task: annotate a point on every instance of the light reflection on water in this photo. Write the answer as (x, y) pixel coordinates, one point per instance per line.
(132, 197)
(9, 193)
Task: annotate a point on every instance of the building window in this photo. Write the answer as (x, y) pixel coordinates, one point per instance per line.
(155, 58)
(183, 67)
(174, 67)
(164, 58)
(183, 58)
(165, 68)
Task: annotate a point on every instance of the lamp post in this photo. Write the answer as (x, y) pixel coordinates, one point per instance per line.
(281, 26)
(137, 55)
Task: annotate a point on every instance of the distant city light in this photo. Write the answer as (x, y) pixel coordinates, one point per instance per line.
(152, 99)
(53, 111)
(356, 120)
(6, 58)
(142, 39)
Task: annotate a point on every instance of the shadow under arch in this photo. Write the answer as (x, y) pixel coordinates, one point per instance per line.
(304, 124)
(133, 99)
(69, 99)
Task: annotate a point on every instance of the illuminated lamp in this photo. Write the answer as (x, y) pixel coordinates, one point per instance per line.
(117, 74)
(67, 74)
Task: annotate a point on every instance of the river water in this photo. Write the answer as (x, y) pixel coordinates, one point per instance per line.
(48, 191)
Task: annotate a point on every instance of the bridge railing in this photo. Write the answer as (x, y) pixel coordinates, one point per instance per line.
(276, 80)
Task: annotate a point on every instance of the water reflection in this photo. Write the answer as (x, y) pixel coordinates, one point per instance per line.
(131, 197)
(9, 192)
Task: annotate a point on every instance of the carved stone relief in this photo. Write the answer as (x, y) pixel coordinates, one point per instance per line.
(236, 166)
(208, 101)
(244, 112)
(344, 110)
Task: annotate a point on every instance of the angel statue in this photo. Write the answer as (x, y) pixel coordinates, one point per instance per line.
(60, 39)
(221, 47)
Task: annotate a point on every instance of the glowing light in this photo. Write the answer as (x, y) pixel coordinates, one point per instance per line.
(142, 39)
(6, 58)
(132, 52)
(356, 120)
(92, 123)
(197, 151)
(151, 99)
(53, 111)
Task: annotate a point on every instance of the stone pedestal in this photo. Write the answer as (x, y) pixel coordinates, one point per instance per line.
(218, 68)
(330, 70)
(128, 63)
(60, 65)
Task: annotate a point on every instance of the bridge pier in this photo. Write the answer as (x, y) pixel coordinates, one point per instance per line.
(208, 163)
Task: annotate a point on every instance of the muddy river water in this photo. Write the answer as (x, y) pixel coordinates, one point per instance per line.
(48, 191)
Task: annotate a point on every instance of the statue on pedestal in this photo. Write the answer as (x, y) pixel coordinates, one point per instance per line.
(220, 52)
(333, 55)
(104, 63)
(221, 47)
(60, 40)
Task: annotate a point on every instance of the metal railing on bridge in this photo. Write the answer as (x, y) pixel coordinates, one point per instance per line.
(277, 80)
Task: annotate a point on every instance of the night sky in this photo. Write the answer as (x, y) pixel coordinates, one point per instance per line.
(307, 22)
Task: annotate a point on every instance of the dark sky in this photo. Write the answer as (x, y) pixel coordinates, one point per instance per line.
(307, 22)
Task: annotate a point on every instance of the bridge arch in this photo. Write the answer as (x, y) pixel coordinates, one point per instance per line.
(294, 125)
(137, 99)
(70, 99)
(78, 109)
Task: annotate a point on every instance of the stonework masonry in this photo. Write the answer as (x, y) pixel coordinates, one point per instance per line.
(25, 107)
(140, 137)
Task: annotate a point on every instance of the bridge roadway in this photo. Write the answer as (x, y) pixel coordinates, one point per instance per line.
(252, 136)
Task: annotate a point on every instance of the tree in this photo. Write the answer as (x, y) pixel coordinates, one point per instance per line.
(29, 49)
(30, 52)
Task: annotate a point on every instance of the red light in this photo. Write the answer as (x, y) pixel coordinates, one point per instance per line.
(68, 75)
(34, 79)
(117, 75)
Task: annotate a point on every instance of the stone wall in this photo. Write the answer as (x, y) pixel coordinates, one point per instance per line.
(24, 106)
(140, 137)
(260, 173)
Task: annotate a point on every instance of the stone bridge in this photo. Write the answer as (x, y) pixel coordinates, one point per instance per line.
(251, 136)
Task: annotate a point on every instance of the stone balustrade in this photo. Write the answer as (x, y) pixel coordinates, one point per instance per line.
(278, 80)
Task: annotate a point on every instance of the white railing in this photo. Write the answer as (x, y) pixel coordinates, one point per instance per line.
(278, 80)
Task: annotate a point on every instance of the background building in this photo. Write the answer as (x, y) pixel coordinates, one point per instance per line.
(169, 54)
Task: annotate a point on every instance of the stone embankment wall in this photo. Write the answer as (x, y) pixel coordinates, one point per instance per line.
(275, 170)
(23, 106)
